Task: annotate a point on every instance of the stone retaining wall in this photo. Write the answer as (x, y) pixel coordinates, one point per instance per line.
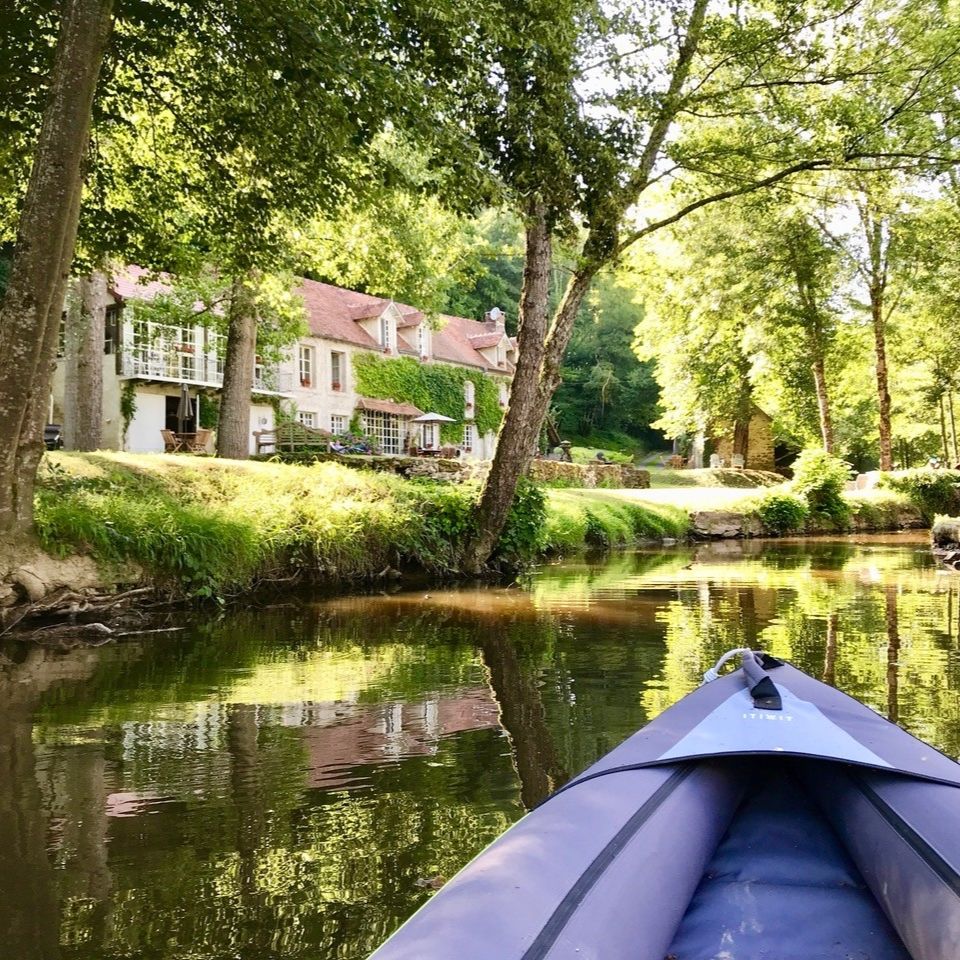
(589, 475)
(558, 473)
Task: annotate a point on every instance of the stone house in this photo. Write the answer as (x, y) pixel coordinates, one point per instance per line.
(145, 365)
(759, 443)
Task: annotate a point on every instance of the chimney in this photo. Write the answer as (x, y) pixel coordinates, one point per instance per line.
(495, 320)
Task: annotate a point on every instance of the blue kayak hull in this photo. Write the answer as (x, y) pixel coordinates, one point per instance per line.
(721, 831)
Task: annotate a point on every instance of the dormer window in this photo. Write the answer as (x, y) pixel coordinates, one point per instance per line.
(423, 340)
(386, 333)
(501, 355)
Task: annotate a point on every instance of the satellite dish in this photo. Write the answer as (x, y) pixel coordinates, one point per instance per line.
(495, 313)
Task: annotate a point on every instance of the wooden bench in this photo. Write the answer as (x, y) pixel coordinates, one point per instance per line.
(292, 436)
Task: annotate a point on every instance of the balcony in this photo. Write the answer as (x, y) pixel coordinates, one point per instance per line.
(170, 354)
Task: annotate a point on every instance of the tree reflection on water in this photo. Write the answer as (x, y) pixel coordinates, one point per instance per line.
(293, 782)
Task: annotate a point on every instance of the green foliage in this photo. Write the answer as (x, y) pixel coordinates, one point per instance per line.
(576, 518)
(206, 298)
(207, 528)
(128, 404)
(523, 534)
(821, 478)
(433, 387)
(209, 411)
(932, 491)
(393, 242)
(589, 455)
(781, 512)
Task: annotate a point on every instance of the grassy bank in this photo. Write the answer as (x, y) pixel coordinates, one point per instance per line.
(205, 527)
(603, 518)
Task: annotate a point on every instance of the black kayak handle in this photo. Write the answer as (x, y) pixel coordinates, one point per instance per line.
(762, 688)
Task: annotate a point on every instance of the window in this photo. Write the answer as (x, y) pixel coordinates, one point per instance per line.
(307, 418)
(429, 436)
(423, 339)
(336, 370)
(469, 393)
(469, 437)
(504, 392)
(306, 366)
(111, 329)
(386, 333)
(501, 355)
(338, 423)
(385, 427)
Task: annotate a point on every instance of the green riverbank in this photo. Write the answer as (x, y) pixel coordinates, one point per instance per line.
(201, 527)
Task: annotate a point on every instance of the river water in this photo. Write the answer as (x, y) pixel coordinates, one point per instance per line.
(293, 781)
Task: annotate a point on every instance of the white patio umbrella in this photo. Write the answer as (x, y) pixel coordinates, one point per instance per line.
(429, 435)
(433, 418)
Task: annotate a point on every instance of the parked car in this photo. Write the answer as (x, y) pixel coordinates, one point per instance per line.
(53, 436)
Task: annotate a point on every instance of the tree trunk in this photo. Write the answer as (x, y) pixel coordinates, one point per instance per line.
(823, 404)
(32, 304)
(953, 428)
(883, 389)
(537, 376)
(830, 650)
(943, 429)
(521, 425)
(83, 374)
(893, 652)
(233, 429)
(741, 439)
(523, 717)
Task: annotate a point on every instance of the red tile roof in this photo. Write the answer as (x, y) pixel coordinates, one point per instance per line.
(486, 340)
(334, 314)
(135, 283)
(389, 406)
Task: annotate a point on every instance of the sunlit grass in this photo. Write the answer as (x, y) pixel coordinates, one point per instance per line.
(600, 518)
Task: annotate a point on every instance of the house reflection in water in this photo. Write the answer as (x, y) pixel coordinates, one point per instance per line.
(340, 737)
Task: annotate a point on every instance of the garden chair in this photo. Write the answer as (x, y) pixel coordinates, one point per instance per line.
(171, 442)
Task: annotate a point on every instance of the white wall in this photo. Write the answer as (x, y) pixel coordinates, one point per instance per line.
(150, 418)
(319, 398)
(261, 418)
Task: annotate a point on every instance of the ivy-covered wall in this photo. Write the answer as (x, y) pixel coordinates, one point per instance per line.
(433, 387)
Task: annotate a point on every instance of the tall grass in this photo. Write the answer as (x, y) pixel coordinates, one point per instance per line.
(578, 518)
(207, 527)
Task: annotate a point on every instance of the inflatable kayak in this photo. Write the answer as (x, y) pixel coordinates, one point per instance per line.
(765, 816)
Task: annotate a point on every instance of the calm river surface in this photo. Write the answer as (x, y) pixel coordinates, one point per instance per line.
(293, 781)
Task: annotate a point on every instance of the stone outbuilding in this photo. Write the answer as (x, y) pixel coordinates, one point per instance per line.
(759, 445)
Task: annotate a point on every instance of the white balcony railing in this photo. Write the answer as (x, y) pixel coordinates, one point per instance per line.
(166, 352)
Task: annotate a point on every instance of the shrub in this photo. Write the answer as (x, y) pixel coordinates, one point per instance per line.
(523, 536)
(820, 478)
(931, 491)
(782, 512)
(589, 455)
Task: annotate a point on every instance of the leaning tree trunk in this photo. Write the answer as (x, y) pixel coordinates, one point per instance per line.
(32, 305)
(83, 374)
(540, 350)
(823, 404)
(233, 429)
(883, 389)
(521, 426)
(540, 354)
